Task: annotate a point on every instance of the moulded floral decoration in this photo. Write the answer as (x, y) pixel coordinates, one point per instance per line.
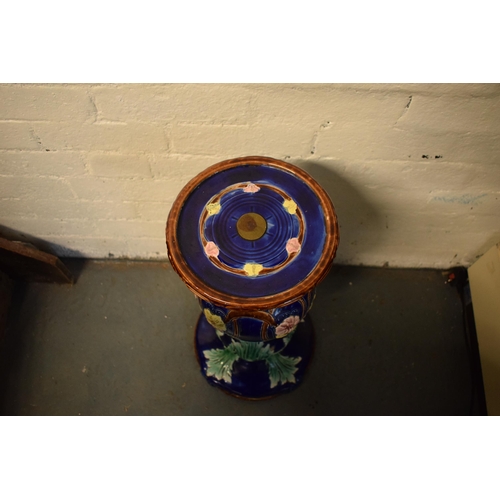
(293, 245)
(251, 188)
(253, 269)
(211, 249)
(290, 206)
(215, 320)
(213, 208)
(287, 326)
(281, 369)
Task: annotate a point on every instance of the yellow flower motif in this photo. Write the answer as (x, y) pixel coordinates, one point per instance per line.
(213, 208)
(253, 269)
(290, 206)
(215, 320)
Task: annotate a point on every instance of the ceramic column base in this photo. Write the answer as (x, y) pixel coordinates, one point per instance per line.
(253, 370)
(252, 237)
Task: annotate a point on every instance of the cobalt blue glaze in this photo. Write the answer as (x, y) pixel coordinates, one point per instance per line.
(254, 338)
(269, 250)
(273, 325)
(250, 379)
(192, 249)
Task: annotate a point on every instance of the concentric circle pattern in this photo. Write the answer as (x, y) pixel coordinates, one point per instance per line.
(270, 250)
(289, 259)
(251, 226)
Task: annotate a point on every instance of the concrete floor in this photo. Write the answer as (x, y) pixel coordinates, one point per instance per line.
(120, 342)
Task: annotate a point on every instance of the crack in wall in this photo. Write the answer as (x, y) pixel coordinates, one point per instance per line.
(84, 159)
(315, 137)
(35, 137)
(150, 159)
(95, 111)
(405, 110)
(67, 183)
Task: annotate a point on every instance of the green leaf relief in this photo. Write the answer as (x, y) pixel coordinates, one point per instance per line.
(252, 351)
(220, 363)
(282, 369)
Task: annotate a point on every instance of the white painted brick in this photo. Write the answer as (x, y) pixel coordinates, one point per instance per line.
(384, 218)
(34, 188)
(88, 247)
(119, 165)
(125, 137)
(429, 175)
(428, 115)
(45, 102)
(408, 256)
(15, 135)
(174, 165)
(98, 210)
(151, 211)
(434, 89)
(433, 175)
(106, 247)
(361, 190)
(130, 229)
(36, 163)
(68, 210)
(48, 227)
(132, 248)
(393, 205)
(17, 208)
(149, 248)
(467, 203)
(232, 141)
(370, 142)
(434, 248)
(424, 223)
(119, 190)
(419, 241)
(174, 102)
(311, 105)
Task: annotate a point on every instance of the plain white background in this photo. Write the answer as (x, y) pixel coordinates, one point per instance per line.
(337, 457)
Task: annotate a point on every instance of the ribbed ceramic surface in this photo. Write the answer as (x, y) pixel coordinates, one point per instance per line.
(207, 245)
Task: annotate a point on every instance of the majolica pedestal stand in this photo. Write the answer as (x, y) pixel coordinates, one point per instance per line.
(252, 237)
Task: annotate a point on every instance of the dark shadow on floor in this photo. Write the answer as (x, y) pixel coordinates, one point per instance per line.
(12, 345)
(120, 342)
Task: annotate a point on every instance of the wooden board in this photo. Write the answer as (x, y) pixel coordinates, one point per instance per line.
(484, 279)
(5, 300)
(23, 261)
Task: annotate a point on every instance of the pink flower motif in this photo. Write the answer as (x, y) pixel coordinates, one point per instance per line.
(287, 326)
(211, 249)
(292, 245)
(251, 188)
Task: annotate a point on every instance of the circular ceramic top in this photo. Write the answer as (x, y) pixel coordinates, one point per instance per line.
(252, 232)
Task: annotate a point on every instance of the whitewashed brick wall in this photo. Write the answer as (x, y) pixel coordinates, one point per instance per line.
(413, 170)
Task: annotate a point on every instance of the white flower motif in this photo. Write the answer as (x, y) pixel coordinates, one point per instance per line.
(287, 326)
(251, 188)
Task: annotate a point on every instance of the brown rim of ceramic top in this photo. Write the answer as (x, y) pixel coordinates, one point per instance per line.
(202, 290)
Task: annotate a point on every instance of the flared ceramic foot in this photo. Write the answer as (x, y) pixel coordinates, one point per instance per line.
(253, 370)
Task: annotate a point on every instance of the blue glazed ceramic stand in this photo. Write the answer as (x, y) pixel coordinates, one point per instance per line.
(253, 373)
(252, 237)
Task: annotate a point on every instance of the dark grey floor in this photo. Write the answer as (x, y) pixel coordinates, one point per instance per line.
(120, 342)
